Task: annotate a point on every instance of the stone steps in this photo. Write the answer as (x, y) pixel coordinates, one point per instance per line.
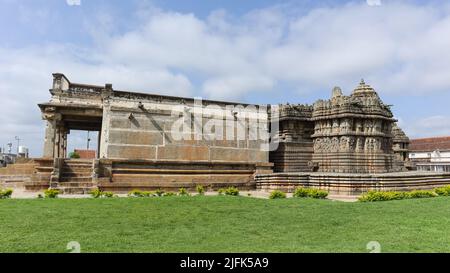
(76, 177)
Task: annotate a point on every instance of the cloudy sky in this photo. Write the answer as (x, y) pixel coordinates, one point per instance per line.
(255, 51)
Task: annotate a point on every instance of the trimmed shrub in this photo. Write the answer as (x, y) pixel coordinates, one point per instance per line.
(107, 194)
(421, 194)
(159, 192)
(139, 193)
(170, 194)
(229, 191)
(443, 191)
(277, 195)
(51, 193)
(301, 192)
(373, 196)
(310, 192)
(135, 193)
(4, 194)
(96, 193)
(200, 189)
(183, 192)
(148, 194)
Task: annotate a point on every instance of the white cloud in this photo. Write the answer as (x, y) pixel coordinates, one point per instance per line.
(438, 125)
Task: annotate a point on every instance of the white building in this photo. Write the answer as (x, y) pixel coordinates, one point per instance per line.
(431, 154)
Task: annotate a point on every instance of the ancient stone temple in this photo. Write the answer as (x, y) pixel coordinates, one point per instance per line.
(347, 144)
(352, 134)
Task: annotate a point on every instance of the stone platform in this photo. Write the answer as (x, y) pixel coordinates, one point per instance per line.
(352, 184)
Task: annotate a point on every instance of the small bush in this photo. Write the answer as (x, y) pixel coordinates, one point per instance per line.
(149, 194)
(200, 189)
(229, 191)
(183, 192)
(310, 192)
(96, 193)
(277, 194)
(51, 193)
(4, 194)
(170, 194)
(443, 191)
(107, 194)
(40, 196)
(74, 155)
(135, 193)
(159, 192)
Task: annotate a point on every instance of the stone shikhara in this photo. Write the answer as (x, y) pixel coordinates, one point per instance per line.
(346, 144)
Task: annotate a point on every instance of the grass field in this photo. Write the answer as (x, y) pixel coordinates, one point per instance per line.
(223, 224)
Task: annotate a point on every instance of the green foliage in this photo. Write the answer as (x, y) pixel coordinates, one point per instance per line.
(99, 193)
(310, 192)
(4, 194)
(421, 194)
(51, 193)
(139, 193)
(159, 192)
(96, 193)
(40, 196)
(277, 194)
(183, 192)
(170, 194)
(108, 194)
(200, 189)
(373, 196)
(443, 191)
(229, 191)
(74, 155)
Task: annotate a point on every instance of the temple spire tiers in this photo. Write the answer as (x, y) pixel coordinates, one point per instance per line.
(352, 134)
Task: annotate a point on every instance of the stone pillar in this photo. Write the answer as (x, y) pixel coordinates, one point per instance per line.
(49, 141)
(107, 93)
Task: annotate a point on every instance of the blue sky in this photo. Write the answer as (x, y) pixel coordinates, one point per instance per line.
(251, 51)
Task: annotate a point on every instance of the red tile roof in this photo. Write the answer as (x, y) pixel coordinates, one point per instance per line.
(429, 144)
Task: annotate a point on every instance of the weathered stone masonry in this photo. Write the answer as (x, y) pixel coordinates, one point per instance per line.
(347, 144)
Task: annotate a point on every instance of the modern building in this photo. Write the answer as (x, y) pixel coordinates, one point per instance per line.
(431, 154)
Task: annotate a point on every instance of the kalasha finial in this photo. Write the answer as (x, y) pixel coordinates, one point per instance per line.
(362, 82)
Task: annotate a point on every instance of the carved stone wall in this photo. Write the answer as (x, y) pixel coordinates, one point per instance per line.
(295, 145)
(352, 134)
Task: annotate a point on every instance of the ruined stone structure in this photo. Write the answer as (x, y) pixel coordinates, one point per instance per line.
(347, 144)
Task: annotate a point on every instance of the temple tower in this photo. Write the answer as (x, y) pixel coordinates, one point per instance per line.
(352, 134)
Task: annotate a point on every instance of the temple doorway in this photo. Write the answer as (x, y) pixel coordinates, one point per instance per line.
(83, 144)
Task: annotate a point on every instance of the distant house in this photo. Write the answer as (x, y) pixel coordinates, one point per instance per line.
(430, 154)
(86, 154)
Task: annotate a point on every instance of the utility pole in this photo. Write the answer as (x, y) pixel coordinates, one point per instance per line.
(18, 143)
(88, 140)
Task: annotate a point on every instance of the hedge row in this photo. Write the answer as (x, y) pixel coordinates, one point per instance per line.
(373, 196)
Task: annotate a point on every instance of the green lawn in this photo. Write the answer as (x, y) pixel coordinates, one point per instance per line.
(223, 224)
